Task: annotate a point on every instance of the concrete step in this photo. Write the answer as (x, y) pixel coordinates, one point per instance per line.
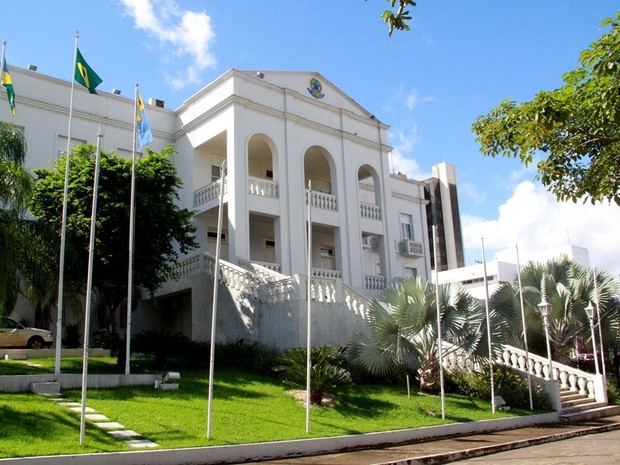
(576, 401)
(598, 412)
(582, 407)
(47, 387)
(569, 395)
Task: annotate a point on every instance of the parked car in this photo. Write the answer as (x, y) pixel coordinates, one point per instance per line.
(14, 334)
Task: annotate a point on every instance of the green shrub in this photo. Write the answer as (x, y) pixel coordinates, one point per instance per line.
(249, 356)
(328, 371)
(161, 345)
(72, 339)
(508, 383)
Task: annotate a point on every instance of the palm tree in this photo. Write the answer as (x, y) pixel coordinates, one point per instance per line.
(15, 190)
(403, 329)
(568, 287)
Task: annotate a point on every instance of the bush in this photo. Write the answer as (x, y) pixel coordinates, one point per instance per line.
(249, 356)
(508, 383)
(72, 339)
(161, 345)
(328, 370)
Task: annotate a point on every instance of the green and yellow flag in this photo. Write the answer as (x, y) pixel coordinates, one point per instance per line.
(8, 83)
(85, 75)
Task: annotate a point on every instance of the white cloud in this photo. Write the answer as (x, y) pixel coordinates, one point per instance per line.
(469, 190)
(181, 33)
(532, 219)
(401, 159)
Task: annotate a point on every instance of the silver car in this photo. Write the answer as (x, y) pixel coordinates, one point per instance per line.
(14, 334)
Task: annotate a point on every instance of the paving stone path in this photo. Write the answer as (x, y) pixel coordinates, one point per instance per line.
(113, 428)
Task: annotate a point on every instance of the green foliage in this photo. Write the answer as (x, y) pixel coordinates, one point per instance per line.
(568, 288)
(160, 344)
(398, 20)
(248, 356)
(328, 371)
(15, 191)
(577, 127)
(162, 229)
(403, 329)
(507, 382)
(72, 337)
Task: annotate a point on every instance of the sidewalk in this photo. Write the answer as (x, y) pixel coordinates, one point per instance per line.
(449, 450)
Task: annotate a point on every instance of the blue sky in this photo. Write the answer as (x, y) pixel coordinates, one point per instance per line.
(429, 84)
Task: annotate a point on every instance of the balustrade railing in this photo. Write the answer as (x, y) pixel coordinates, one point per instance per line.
(324, 201)
(209, 192)
(188, 267)
(370, 211)
(323, 290)
(323, 273)
(374, 282)
(356, 302)
(262, 187)
(566, 376)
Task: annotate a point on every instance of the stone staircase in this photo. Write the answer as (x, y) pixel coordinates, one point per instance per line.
(580, 407)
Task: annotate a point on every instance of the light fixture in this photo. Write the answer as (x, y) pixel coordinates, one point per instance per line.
(32, 67)
(589, 311)
(116, 91)
(260, 74)
(543, 308)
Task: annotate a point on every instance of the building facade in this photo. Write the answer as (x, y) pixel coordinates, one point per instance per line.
(444, 213)
(282, 146)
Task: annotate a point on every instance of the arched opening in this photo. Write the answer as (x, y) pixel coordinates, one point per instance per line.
(262, 172)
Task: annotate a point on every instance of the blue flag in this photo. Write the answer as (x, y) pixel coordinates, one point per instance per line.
(145, 135)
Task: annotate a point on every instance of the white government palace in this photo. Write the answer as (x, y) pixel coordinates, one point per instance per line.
(278, 133)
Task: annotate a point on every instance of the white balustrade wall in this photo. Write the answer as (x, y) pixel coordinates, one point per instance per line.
(262, 187)
(370, 211)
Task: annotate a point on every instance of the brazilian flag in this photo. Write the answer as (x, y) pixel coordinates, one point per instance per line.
(8, 83)
(85, 75)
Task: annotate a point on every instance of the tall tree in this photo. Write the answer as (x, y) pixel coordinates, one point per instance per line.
(577, 127)
(15, 189)
(163, 230)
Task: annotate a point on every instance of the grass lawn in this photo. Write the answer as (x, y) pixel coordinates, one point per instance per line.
(246, 408)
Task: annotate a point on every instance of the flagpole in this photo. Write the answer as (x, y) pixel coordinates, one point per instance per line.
(527, 354)
(63, 227)
(132, 215)
(439, 338)
(2, 62)
(309, 310)
(598, 320)
(486, 307)
(216, 273)
(89, 285)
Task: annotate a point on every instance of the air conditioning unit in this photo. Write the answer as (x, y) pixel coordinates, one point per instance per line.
(411, 248)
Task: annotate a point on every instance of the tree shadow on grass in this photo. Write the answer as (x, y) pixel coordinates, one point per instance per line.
(27, 428)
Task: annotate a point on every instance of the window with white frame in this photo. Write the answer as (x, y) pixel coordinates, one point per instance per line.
(406, 227)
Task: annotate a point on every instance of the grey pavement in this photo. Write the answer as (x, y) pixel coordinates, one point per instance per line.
(466, 447)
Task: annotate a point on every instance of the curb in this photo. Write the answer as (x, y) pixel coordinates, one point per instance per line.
(447, 457)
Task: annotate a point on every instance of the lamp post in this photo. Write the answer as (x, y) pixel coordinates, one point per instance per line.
(590, 314)
(543, 308)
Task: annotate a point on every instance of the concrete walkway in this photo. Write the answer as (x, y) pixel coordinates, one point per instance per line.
(458, 448)
(113, 428)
